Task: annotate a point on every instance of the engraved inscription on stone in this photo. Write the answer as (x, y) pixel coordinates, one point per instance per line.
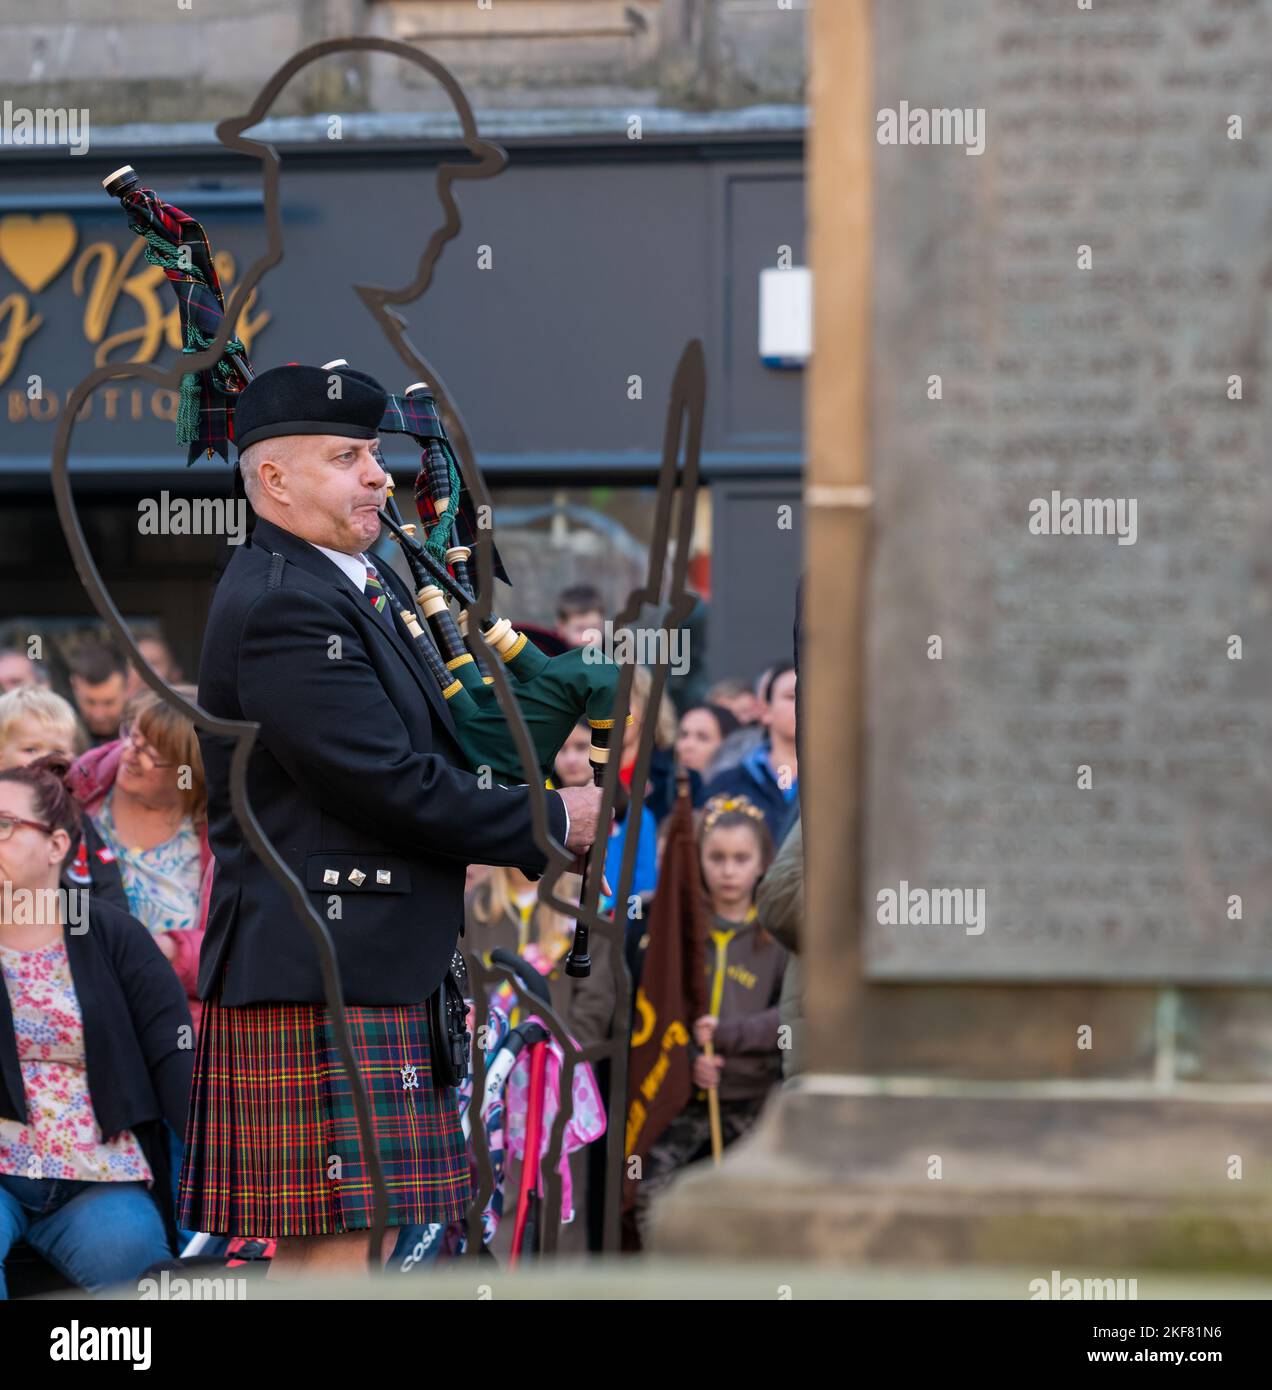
(1093, 292)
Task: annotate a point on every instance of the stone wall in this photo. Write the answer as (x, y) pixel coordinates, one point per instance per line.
(131, 61)
(1070, 722)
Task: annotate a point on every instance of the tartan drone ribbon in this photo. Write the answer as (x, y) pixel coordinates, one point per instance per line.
(177, 243)
(416, 414)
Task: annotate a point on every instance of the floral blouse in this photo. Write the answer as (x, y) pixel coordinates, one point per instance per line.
(162, 883)
(62, 1138)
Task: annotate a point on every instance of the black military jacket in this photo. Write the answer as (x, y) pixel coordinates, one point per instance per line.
(356, 777)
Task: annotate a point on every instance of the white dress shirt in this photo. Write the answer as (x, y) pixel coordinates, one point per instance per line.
(355, 566)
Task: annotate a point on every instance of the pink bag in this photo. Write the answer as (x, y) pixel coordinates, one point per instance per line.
(586, 1122)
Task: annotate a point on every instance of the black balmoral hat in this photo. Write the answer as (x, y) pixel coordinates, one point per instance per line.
(299, 400)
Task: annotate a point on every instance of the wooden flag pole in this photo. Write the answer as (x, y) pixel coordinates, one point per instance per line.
(713, 1112)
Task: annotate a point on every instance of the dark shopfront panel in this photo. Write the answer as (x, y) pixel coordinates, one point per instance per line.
(550, 534)
(602, 265)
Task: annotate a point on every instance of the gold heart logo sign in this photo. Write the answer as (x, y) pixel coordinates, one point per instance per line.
(36, 248)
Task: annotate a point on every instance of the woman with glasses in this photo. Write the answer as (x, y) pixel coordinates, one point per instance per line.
(95, 1056)
(145, 800)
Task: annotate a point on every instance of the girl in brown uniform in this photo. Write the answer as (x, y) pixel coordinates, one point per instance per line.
(744, 977)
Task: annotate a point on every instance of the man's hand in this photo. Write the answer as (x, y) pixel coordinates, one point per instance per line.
(584, 807)
(704, 1029)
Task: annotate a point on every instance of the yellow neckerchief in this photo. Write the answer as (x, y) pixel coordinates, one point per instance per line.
(722, 939)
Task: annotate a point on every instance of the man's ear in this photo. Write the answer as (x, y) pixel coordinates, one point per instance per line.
(271, 479)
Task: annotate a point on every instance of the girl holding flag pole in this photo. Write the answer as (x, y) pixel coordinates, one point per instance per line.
(737, 1059)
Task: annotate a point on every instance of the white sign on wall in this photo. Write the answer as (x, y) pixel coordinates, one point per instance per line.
(786, 316)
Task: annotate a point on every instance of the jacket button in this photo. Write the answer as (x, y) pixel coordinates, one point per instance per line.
(331, 876)
(383, 876)
(357, 877)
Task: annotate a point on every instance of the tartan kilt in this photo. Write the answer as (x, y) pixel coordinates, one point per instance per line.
(272, 1144)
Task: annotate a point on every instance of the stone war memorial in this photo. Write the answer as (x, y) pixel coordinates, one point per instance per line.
(1038, 940)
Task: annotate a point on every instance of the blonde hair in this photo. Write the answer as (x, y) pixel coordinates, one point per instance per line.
(34, 702)
(174, 736)
(552, 930)
(667, 724)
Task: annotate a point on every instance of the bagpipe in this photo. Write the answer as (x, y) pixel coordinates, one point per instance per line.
(552, 692)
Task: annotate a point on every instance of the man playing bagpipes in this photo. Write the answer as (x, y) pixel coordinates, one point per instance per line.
(359, 780)
(366, 790)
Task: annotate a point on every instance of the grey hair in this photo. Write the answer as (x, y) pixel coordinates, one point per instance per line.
(279, 448)
(249, 464)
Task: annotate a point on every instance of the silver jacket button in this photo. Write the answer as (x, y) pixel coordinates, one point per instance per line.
(383, 876)
(331, 876)
(357, 877)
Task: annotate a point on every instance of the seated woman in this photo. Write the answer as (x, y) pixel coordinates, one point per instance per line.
(146, 803)
(95, 1056)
